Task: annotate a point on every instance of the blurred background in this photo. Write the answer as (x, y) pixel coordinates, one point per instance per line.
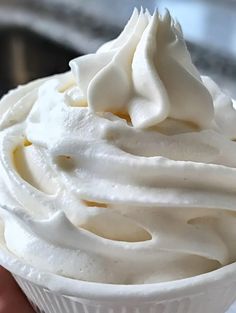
(39, 37)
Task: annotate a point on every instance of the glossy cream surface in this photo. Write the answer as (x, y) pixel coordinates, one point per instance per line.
(123, 169)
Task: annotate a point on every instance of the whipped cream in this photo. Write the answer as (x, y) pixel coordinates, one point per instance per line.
(149, 73)
(122, 170)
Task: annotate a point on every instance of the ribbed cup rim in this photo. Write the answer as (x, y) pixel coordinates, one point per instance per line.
(111, 292)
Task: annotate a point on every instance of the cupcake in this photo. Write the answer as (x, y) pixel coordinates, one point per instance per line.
(117, 186)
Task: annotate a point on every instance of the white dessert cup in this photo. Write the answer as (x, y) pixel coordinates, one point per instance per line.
(213, 292)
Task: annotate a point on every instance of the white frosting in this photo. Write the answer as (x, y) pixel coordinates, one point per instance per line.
(149, 73)
(123, 171)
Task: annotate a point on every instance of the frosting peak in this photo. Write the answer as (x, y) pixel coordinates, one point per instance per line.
(146, 73)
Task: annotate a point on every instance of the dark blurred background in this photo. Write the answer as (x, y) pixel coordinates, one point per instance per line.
(39, 37)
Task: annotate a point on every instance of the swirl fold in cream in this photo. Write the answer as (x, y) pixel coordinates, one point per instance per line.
(122, 170)
(149, 73)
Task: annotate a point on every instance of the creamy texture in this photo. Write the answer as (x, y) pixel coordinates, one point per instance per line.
(123, 170)
(149, 73)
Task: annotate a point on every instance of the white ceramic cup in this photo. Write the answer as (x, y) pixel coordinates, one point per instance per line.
(213, 292)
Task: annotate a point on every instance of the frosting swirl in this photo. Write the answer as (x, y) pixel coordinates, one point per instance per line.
(149, 73)
(127, 159)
